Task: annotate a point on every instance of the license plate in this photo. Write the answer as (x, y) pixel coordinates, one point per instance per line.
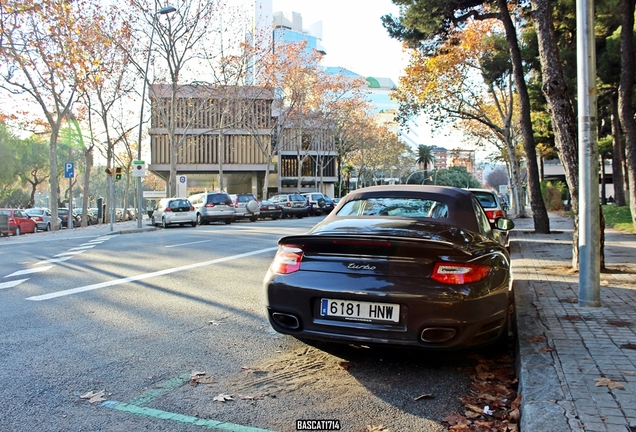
(366, 311)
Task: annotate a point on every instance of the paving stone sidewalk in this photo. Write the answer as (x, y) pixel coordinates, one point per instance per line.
(576, 365)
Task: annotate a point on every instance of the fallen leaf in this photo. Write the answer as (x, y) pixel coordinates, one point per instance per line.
(536, 339)
(344, 364)
(608, 383)
(454, 419)
(545, 350)
(223, 397)
(628, 373)
(200, 378)
(619, 323)
(424, 396)
(379, 428)
(514, 415)
(94, 397)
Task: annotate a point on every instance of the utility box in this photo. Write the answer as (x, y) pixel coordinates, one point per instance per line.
(4, 223)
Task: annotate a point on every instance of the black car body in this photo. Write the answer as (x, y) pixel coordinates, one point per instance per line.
(270, 210)
(411, 266)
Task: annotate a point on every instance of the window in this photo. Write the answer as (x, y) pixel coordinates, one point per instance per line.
(482, 219)
(401, 207)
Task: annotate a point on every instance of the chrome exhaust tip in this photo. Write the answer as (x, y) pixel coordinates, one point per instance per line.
(288, 321)
(437, 334)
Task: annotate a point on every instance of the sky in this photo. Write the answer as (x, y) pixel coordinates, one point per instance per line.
(353, 35)
(354, 38)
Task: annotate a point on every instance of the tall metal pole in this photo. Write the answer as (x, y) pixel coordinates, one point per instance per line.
(162, 11)
(589, 225)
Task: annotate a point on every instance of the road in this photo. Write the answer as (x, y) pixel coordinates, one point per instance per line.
(168, 323)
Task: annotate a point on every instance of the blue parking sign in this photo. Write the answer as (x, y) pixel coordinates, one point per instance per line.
(69, 169)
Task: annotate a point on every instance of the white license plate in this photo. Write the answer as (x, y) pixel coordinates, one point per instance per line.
(360, 310)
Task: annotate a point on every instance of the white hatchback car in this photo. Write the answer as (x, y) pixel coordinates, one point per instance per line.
(171, 211)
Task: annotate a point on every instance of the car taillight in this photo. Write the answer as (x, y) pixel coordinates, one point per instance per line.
(494, 214)
(168, 209)
(209, 205)
(191, 208)
(459, 273)
(288, 204)
(287, 260)
(37, 219)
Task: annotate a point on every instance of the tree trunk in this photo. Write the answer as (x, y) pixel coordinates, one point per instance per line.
(539, 212)
(625, 93)
(560, 106)
(617, 154)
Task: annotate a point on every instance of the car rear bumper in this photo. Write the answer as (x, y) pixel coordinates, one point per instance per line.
(429, 318)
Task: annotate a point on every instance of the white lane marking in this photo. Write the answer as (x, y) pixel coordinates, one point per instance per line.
(54, 260)
(91, 243)
(145, 276)
(28, 271)
(82, 247)
(185, 244)
(12, 283)
(69, 253)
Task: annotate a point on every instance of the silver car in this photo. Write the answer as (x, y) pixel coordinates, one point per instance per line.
(213, 207)
(246, 206)
(42, 216)
(171, 211)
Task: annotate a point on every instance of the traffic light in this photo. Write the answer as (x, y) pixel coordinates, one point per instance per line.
(117, 173)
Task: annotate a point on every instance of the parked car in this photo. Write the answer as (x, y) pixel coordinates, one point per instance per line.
(63, 214)
(270, 210)
(213, 207)
(495, 209)
(91, 218)
(292, 204)
(18, 222)
(246, 206)
(330, 204)
(317, 201)
(171, 211)
(42, 217)
(409, 266)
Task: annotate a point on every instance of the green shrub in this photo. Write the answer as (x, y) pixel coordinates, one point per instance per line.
(553, 195)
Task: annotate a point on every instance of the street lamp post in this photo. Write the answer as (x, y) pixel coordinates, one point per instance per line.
(162, 11)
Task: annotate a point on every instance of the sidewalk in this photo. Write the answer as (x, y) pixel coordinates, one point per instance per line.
(576, 365)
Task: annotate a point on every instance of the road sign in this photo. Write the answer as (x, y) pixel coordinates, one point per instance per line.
(154, 194)
(182, 186)
(139, 168)
(69, 169)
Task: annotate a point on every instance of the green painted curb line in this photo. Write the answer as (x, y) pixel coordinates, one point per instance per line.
(165, 415)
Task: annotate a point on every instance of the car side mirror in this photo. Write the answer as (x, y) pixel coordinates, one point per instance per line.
(504, 224)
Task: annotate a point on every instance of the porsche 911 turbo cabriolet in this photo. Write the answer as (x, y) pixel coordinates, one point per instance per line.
(400, 265)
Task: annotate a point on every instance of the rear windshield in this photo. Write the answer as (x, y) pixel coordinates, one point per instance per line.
(404, 207)
(179, 204)
(487, 200)
(219, 199)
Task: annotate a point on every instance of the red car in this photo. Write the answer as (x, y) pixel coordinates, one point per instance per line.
(18, 222)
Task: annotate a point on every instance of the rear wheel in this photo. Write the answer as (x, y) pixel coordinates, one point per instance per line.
(254, 218)
(17, 231)
(228, 221)
(199, 221)
(194, 224)
(163, 223)
(48, 227)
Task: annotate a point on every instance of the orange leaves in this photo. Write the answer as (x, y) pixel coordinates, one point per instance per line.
(493, 404)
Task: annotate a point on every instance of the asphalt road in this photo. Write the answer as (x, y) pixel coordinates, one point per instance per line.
(137, 316)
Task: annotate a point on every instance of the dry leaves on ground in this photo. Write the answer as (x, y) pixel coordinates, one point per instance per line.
(493, 403)
(94, 396)
(608, 383)
(223, 397)
(200, 378)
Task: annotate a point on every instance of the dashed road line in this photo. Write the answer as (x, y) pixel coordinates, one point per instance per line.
(54, 260)
(28, 271)
(11, 284)
(69, 253)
